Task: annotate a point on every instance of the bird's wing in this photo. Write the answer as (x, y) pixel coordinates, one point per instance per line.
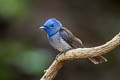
(70, 38)
(77, 43)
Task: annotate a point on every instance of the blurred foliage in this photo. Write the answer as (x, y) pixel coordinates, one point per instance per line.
(29, 60)
(5, 72)
(13, 8)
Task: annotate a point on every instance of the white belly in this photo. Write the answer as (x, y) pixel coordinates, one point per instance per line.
(58, 43)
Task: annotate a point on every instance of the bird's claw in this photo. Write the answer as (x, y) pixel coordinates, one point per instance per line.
(63, 52)
(57, 56)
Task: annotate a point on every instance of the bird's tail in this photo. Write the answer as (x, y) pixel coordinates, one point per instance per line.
(98, 59)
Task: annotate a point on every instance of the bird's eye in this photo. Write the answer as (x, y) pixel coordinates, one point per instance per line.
(52, 25)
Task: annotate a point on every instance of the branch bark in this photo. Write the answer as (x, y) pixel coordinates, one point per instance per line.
(79, 53)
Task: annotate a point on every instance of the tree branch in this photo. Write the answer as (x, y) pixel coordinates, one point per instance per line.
(78, 54)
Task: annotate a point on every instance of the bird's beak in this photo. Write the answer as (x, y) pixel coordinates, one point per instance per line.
(42, 27)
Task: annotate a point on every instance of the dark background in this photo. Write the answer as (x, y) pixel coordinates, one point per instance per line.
(25, 52)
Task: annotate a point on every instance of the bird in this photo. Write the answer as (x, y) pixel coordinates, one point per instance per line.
(63, 40)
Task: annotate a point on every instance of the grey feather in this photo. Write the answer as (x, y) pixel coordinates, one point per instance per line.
(74, 42)
(70, 38)
(59, 43)
(64, 40)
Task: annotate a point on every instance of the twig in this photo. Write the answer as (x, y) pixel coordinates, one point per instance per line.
(79, 53)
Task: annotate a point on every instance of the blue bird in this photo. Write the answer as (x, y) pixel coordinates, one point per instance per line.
(63, 40)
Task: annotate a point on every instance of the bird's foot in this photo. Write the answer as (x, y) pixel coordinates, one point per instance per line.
(62, 52)
(58, 56)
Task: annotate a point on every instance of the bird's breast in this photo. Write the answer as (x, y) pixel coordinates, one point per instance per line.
(59, 43)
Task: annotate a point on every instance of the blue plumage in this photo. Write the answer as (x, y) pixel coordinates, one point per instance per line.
(51, 26)
(62, 39)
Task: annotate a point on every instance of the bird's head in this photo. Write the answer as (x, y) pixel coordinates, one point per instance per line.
(51, 26)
